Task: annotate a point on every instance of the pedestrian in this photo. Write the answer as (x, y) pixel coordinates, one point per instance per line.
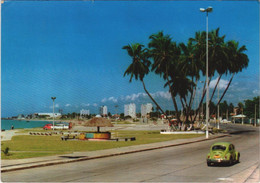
(12, 127)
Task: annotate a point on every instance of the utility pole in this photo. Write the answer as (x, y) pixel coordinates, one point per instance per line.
(53, 98)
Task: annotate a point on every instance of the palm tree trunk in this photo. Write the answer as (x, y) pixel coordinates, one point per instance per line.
(183, 106)
(187, 110)
(194, 96)
(202, 98)
(193, 93)
(154, 100)
(176, 109)
(226, 88)
(215, 88)
(173, 99)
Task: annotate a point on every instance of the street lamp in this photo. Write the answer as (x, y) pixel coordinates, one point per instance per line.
(53, 98)
(208, 10)
(218, 108)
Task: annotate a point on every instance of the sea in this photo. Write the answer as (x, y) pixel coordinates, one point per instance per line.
(22, 124)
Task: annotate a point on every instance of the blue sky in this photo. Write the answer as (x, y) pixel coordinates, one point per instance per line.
(73, 50)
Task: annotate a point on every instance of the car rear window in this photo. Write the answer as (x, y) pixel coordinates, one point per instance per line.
(219, 147)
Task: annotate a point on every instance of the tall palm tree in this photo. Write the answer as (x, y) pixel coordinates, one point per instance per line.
(199, 44)
(139, 66)
(218, 56)
(190, 66)
(164, 53)
(237, 61)
(216, 52)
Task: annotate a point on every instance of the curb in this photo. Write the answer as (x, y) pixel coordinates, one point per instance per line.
(104, 156)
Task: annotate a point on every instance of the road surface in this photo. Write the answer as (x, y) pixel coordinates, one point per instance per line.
(185, 163)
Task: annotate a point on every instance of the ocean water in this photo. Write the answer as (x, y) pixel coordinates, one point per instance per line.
(20, 124)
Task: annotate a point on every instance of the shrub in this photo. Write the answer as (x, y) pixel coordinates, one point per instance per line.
(6, 151)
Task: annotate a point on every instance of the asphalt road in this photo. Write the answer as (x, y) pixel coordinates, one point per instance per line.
(186, 163)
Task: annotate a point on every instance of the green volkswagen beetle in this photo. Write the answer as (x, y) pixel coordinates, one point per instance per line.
(222, 152)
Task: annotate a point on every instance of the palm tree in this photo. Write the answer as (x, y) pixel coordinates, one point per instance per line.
(190, 66)
(218, 56)
(199, 44)
(181, 85)
(240, 108)
(237, 61)
(216, 52)
(164, 53)
(139, 66)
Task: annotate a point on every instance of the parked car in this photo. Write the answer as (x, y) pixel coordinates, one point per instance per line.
(222, 152)
(59, 126)
(47, 127)
(225, 121)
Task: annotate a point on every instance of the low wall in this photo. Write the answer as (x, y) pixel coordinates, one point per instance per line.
(95, 135)
(182, 132)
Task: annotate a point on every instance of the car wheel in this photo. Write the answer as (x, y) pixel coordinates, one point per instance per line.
(238, 156)
(209, 164)
(230, 162)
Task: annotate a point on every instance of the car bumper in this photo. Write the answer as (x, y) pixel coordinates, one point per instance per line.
(217, 161)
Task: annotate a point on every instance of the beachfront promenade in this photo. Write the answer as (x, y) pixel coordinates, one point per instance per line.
(250, 174)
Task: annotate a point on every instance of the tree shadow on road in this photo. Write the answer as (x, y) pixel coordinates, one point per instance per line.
(241, 132)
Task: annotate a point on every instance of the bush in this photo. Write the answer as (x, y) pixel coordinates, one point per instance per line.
(6, 151)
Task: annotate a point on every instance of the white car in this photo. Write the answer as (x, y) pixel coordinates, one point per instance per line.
(225, 121)
(60, 127)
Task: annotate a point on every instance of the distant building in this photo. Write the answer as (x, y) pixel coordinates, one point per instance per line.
(84, 113)
(103, 110)
(49, 114)
(29, 116)
(130, 110)
(20, 116)
(146, 109)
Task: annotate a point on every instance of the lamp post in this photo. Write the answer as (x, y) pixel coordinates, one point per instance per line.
(208, 10)
(218, 108)
(53, 98)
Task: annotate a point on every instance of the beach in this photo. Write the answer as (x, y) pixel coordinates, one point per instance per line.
(8, 134)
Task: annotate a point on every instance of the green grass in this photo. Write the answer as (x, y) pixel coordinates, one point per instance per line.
(27, 146)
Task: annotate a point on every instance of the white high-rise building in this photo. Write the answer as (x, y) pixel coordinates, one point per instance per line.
(130, 110)
(84, 112)
(103, 110)
(146, 109)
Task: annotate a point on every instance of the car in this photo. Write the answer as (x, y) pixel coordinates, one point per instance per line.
(47, 127)
(225, 121)
(59, 126)
(222, 153)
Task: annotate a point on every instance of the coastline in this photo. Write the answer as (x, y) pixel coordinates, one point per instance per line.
(29, 119)
(49, 120)
(33, 123)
